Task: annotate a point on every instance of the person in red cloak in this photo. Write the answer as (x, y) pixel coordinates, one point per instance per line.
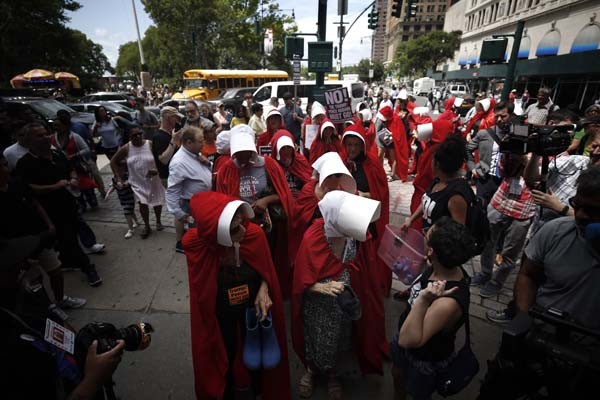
(327, 140)
(330, 174)
(328, 257)
(295, 166)
(483, 118)
(274, 122)
(371, 182)
(218, 327)
(451, 112)
(433, 134)
(397, 150)
(261, 182)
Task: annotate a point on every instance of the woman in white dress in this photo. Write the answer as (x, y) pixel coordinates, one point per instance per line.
(143, 177)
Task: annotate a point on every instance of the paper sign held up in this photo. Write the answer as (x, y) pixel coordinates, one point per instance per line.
(338, 104)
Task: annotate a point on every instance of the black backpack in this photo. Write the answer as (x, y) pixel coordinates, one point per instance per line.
(478, 224)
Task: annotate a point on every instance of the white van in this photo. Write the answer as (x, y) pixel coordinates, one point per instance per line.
(458, 90)
(423, 86)
(305, 91)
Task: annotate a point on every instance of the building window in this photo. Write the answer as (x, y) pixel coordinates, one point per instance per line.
(405, 38)
(405, 28)
(427, 28)
(417, 28)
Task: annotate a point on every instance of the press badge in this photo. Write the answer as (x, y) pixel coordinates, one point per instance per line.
(238, 295)
(59, 336)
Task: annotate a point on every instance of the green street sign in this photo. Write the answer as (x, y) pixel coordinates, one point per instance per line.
(320, 56)
(294, 45)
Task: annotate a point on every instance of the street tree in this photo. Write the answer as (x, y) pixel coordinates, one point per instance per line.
(414, 57)
(363, 67)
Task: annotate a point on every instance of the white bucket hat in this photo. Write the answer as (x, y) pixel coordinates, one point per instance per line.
(317, 109)
(485, 104)
(330, 164)
(282, 142)
(326, 124)
(424, 131)
(352, 133)
(403, 94)
(242, 139)
(222, 142)
(348, 215)
(458, 101)
(224, 225)
(272, 112)
(367, 115)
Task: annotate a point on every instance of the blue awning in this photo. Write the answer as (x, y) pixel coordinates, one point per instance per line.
(548, 46)
(587, 39)
(524, 47)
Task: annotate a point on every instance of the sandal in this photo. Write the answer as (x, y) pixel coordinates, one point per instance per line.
(334, 388)
(146, 232)
(306, 385)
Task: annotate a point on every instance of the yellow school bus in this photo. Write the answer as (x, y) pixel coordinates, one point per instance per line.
(206, 84)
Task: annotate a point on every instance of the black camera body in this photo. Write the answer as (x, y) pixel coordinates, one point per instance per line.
(135, 336)
(546, 140)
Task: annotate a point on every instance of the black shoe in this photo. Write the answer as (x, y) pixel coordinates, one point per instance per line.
(69, 268)
(93, 278)
(179, 247)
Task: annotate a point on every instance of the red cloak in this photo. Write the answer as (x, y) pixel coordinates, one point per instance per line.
(449, 114)
(264, 139)
(305, 205)
(318, 147)
(299, 167)
(228, 182)
(441, 129)
(487, 118)
(316, 262)
(400, 146)
(379, 189)
(202, 254)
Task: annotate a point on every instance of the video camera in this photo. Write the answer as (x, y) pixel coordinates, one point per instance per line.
(544, 354)
(546, 140)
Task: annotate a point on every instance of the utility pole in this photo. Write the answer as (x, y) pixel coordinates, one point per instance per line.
(144, 75)
(321, 33)
(512, 63)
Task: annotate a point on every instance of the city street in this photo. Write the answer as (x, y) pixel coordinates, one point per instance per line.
(145, 280)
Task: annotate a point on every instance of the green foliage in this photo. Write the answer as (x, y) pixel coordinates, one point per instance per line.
(33, 35)
(414, 57)
(363, 67)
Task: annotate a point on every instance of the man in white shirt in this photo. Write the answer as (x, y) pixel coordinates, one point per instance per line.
(188, 174)
(538, 112)
(13, 153)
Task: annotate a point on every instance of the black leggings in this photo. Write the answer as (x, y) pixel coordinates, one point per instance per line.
(230, 323)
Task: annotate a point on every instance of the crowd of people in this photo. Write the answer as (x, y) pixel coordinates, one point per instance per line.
(264, 216)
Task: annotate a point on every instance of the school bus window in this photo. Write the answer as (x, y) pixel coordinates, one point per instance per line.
(236, 82)
(243, 82)
(221, 83)
(230, 83)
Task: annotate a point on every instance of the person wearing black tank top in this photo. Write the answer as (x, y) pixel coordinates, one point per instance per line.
(438, 307)
(449, 194)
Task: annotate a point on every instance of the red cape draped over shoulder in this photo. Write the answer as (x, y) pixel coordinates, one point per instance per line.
(316, 262)
(228, 182)
(318, 147)
(450, 115)
(300, 167)
(400, 146)
(305, 204)
(264, 139)
(202, 253)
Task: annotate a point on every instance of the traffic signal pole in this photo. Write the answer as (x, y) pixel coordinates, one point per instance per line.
(321, 33)
(512, 63)
(345, 32)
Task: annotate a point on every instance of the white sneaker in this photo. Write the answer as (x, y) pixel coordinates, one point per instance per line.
(129, 234)
(134, 225)
(97, 248)
(71, 302)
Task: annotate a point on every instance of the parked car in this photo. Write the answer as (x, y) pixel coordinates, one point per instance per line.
(232, 98)
(111, 108)
(181, 107)
(122, 98)
(45, 109)
(457, 89)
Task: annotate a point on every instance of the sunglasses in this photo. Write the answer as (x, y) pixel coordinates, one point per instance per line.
(591, 211)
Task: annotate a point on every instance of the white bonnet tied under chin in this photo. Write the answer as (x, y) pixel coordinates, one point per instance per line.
(348, 215)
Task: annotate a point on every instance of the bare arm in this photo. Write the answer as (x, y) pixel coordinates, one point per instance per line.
(532, 171)
(457, 206)
(117, 158)
(166, 155)
(528, 280)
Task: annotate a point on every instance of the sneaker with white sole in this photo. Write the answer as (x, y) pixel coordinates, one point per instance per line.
(134, 225)
(71, 302)
(499, 317)
(129, 234)
(93, 278)
(95, 249)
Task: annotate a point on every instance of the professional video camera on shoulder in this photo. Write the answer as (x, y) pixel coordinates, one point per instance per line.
(541, 140)
(544, 354)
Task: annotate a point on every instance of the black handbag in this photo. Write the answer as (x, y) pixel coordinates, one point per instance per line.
(460, 372)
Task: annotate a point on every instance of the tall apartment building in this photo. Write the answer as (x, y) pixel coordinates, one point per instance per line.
(378, 43)
(430, 17)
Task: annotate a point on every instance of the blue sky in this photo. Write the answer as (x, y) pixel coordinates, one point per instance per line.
(111, 23)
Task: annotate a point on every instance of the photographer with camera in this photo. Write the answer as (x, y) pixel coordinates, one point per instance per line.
(510, 209)
(36, 368)
(558, 285)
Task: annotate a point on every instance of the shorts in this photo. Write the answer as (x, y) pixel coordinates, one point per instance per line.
(48, 260)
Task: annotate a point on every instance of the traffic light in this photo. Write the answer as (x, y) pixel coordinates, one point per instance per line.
(397, 8)
(411, 9)
(373, 18)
